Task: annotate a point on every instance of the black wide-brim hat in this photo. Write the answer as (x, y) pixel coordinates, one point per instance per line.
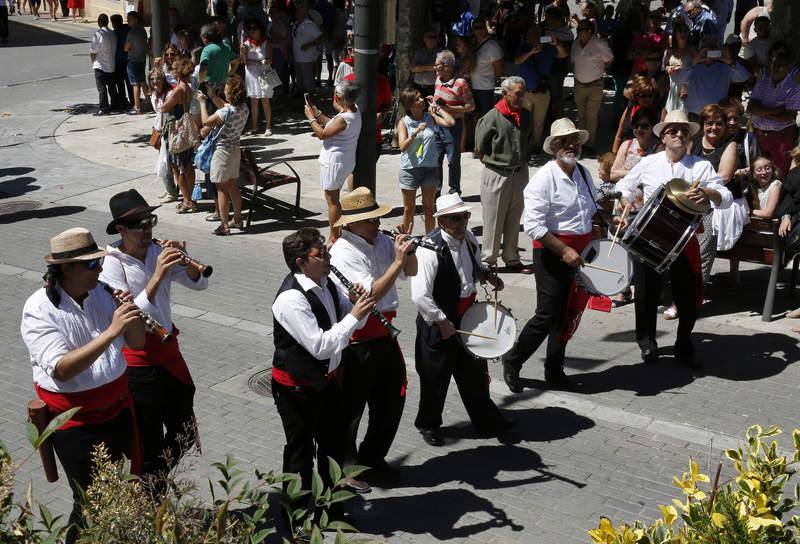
(126, 206)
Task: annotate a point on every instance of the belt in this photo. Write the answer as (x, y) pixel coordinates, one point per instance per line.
(597, 81)
(505, 171)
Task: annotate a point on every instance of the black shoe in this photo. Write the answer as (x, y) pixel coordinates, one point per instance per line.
(381, 467)
(511, 377)
(650, 355)
(432, 437)
(101, 112)
(357, 486)
(558, 380)
(518, 268)
(688, 359)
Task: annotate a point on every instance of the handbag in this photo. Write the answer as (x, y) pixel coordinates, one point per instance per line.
(202, 159)
(155, 139)
(269, 79)
(183, 134)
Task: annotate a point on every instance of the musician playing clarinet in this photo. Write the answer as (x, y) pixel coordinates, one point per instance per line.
(312, 325)
(160, 380)
(374, 373)
(75, 334)
(443, 289)
(651, 173)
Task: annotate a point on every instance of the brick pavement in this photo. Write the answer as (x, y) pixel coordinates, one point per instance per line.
(611, 450)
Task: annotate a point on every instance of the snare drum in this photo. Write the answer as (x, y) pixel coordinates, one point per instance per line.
(603, 282)
(660, 231)
(480, 319)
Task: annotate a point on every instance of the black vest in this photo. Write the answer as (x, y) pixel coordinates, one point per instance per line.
(290, 355)
(447, 283)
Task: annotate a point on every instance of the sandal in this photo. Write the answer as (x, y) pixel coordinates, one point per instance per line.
(239, 225)
(186, 209)
(222, 230)
(212, 218)
(671, 313)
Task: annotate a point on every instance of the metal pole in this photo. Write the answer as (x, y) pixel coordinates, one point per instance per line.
(367, 42)
(159, 25)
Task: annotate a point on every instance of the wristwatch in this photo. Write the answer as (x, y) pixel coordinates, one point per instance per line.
(786, 216)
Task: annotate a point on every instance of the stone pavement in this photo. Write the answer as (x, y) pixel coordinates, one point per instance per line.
(610, 450)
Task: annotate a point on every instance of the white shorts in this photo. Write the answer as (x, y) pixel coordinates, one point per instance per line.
(225, 164)
(333, 175)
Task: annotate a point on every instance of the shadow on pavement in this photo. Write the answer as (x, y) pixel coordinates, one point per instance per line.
(15, 171)
(435, 513)
(17, 186)
(25, 35)
(43, 213)
(741, 357)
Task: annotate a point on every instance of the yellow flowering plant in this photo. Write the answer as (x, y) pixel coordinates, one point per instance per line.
(750, 508)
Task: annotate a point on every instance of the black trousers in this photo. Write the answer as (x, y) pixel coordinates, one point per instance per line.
(553, 281)
(164, 417)
(313, 421)
(104, 81)
(123, 89)
(436, 361)
(4, 23)
(74, 448)
(648, 284)
(374, 376)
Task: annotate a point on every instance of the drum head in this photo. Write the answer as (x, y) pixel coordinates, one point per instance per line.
(603, 282)
(479, 319)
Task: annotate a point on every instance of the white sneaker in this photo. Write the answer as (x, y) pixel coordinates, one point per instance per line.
(268, 132)
(167, 198)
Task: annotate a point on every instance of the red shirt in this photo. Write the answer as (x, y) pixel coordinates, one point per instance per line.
(383, 98)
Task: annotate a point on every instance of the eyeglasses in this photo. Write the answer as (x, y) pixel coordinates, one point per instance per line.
(457, 217)
(675, 131)
(714, 123)
(566, 141)
(93, 264)
(142, 224)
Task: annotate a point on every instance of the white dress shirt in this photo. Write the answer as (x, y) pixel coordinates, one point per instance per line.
(104, 45)
(589, 62)
(428, 266)
(50, 333)
(362, 262)
(123, 271)
(558, 203)
(292, 310)
(656, 170)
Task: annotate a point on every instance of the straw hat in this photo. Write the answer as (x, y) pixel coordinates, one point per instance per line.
(72, 246)
(676, 117)
(358, 205)
(560, 128)
(449, 204)
(125, 206)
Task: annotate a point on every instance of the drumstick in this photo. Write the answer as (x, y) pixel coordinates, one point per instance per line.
(694, 185)
(495, 302)
(603, 268)
(465, 333)
(619, 226)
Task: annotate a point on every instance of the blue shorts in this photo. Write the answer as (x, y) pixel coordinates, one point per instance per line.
(136, 73)
(417, 178)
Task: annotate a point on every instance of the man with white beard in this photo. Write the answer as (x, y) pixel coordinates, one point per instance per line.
(559, 205)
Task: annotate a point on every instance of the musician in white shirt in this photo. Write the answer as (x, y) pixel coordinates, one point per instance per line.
(313, 322)
(160, 380)
(374, 373)
(559, 205)
(443, 289)
(652, 172)
(75, 336)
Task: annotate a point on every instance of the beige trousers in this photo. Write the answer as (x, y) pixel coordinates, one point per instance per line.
(502, 202)
(588, 99)
(537, 104)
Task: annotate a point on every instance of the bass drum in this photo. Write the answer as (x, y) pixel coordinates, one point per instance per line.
(480, 319)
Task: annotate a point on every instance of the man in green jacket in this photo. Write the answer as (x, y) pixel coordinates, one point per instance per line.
(502, 138)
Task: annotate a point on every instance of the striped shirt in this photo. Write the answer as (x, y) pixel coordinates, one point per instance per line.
(786, 94)
(455, 92)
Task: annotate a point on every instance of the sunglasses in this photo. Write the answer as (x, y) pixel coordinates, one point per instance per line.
(142, 224)
(94, 264)
(675, 131)
(457, 217)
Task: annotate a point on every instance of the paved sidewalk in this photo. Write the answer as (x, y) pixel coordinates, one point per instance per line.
(610, 450)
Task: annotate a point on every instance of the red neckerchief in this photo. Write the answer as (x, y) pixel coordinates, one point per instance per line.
(507, 112)
(255, 43)
(348, 60)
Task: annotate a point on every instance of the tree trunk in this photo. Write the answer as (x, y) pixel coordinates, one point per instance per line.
(412, 21)
(785, 22)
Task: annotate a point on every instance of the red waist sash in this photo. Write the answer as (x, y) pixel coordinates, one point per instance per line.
(373, 329)
(465, 303)
(692, 252)
(98, 405)
(158, 353)
(284, 378)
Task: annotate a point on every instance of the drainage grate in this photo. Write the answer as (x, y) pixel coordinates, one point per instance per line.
(19, 206)
(261, 383)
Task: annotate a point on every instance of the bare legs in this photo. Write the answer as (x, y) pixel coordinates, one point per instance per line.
(267, 113)
(255, 112)
(229, 192)
(334, 212)
(185, 183)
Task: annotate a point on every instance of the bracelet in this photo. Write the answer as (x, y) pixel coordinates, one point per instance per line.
(317, 116)
(312, 121)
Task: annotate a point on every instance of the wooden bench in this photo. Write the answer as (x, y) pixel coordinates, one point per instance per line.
(761, 244)
(263, 179)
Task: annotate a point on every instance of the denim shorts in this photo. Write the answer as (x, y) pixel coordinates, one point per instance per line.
(416, 178)
(136, 73)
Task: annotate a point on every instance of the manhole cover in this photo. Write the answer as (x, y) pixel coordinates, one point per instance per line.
(261, 383)
(19, 206)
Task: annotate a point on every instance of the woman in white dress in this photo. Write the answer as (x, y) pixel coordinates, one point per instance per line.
(339, 135)
(677, 58)
(256, 55)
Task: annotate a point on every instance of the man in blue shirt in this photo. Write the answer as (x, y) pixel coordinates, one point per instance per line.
(698, 17)
(709, 80)
(534, 61)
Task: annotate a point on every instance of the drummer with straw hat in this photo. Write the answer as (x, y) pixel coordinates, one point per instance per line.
(559, 206)
(75, 332)
(375, 372)
(443, 289)
(651, 173)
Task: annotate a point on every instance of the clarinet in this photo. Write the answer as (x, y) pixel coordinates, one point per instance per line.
(419, 241)
(393, 331)
(151, 325)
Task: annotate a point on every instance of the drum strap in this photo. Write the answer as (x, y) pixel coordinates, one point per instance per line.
(582, 172)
